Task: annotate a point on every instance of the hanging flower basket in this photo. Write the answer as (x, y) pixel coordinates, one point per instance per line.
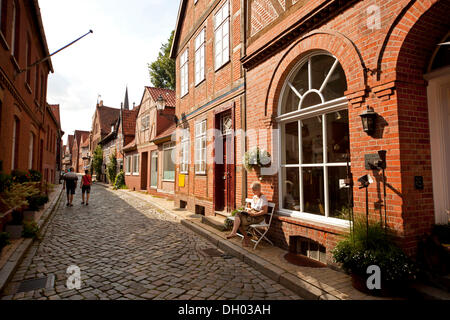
(256, 158)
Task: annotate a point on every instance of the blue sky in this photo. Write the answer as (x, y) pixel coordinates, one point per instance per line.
(127, 35)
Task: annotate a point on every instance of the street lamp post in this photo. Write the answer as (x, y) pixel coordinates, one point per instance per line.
(161, 106)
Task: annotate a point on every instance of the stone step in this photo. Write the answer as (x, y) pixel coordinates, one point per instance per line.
(224, 214)
(216, 222)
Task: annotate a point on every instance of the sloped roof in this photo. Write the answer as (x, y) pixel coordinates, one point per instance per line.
(131, 146)
(70, 140)
(165, 134)
(84, 140)
(167, 94)
(55, 110)
(107, 117)
(176, 37)
(129, 121)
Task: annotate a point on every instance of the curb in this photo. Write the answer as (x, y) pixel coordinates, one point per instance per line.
(16, 258)
(290, 281)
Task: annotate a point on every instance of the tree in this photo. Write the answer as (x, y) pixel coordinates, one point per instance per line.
(97, 161)
(111, 168)
(162, 70)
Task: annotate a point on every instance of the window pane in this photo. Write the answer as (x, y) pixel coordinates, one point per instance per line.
(291, 102)
(311, 99)
(312, 140)
(337, 85)
(313, 191)
(291, 189)
(291, 155)
(300, 82)
(320, 67)
(169, 166)
(338, 197)
(337, 136)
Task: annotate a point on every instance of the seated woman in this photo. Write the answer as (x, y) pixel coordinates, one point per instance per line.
(253, 215)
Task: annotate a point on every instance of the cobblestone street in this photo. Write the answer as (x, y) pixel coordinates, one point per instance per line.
(126, 250)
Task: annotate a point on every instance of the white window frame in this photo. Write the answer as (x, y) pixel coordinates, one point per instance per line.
(31, 151)
(200, 57)
(184, 73)
(14, 138)
(200, 152)
(320, 111)
(128, 167)
(222, 36)
(136, 164)
(154, 160)
(145, 122)
(185, 144)
(168, 146)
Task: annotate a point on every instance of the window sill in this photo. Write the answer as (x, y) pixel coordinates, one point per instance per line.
(128, 174)
(3, 41)
(184, 95)
(200, 83)
(222, 66)
(135, 174)
(168, 180)
(15, 63)
(200, 174)
(27, 86)
(185, 173)
(313, 218)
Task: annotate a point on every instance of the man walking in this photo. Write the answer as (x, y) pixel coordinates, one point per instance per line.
(70, 182)
(85, 185)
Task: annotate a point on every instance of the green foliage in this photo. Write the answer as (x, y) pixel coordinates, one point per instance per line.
(5, 182)
(162, 70)
(18, 193)
(120, 181)
(30, 230)
(35, 176)
(111, 168)
(36, 201)
(256, 157)
(4, 240)
(97, 161)
(19, 176)
(359, 250)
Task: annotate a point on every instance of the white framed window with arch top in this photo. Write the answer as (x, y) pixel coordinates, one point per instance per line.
(314, 143)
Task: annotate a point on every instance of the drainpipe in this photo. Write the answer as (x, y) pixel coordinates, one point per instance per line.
(244, 99)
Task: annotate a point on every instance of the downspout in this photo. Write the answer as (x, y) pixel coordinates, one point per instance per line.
(244, 13)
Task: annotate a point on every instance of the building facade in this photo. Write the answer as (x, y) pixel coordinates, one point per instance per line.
(23, 87)
(149, 158)
(312, 68)
(208, 46)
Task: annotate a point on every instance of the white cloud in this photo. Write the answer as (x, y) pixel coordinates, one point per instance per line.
(127, 35)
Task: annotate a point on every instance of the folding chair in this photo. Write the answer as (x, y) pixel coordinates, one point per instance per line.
(263, 224)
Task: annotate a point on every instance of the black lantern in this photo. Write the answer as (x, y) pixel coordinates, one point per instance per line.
(368, 118)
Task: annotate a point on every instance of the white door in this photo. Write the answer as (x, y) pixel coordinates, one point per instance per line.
(439, 114)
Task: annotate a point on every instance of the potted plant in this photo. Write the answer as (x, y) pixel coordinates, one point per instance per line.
(372, 246)
(4, 240)
(256, 158)
(30, 230)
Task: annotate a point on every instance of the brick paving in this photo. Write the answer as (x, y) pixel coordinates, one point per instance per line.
(127, 250)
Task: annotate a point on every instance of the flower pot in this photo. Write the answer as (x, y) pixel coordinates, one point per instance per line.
(29, 215)
(15, 231)
(388, 288)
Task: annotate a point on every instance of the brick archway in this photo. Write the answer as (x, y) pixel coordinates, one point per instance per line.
(333, 42)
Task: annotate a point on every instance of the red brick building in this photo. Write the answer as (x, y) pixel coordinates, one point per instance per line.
(77, 156)
(149, 163)
(311, 69)
(208, 45)
(51, 158)
(23, 88)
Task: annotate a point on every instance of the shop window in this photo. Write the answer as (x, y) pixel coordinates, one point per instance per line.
(315, 140)
(185, 144)
(168, 163)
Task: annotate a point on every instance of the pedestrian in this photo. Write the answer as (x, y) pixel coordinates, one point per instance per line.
(253, 215)
(85, 185)
(70, 183)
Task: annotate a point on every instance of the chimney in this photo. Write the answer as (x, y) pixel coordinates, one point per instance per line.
(100, 104)
(134, 105)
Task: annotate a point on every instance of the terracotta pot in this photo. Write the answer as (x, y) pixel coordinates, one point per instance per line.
(15, 231)
(388, 288)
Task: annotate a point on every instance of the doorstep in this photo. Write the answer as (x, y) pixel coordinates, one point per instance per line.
(14, 253)
(309, 283)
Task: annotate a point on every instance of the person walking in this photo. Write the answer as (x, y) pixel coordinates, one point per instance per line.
(85, 185)
(70, 183)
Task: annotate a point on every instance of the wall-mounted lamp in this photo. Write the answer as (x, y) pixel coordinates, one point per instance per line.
(161, 106)
(369, 117)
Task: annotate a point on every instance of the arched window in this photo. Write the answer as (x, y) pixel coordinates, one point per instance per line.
(313, 119)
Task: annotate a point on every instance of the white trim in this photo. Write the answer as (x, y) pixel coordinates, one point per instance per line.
(326, 107)
(439, 82)
(309, 217)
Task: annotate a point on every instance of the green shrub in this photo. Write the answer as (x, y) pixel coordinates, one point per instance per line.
(120, 181)
(5, 182)
(358, 251)
(30, 230)
(35, 176)
(19, 176)
(111, 168)
(4, 240)
(36, 201)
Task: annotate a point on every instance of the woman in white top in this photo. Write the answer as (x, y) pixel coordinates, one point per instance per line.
(253, 215)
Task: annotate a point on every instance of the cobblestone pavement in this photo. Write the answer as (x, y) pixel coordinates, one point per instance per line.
(127, 250)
